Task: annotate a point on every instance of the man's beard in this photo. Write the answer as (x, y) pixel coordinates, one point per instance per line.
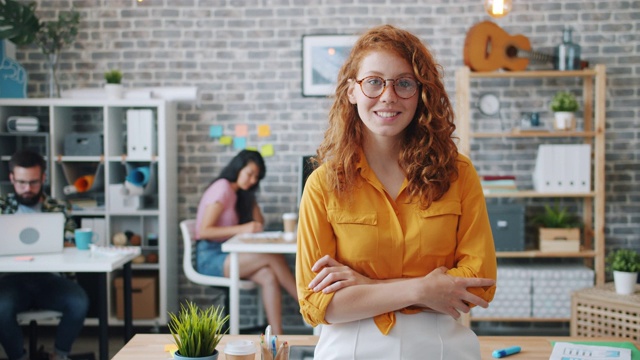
(29, 201)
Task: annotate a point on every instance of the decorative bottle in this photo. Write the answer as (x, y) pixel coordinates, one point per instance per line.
(568, 53)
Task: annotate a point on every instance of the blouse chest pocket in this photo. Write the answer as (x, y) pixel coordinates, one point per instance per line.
(356, 235)
(438, 228)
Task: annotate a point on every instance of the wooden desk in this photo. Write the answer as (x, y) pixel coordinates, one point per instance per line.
(266, 242)
(151, 346)
(74, 260)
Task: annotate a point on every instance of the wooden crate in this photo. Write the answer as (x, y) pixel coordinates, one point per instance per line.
(559, 240)
(600, 312)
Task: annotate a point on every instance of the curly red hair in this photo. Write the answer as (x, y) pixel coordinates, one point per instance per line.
(429, 153)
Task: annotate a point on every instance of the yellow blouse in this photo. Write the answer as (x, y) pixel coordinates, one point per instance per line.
(382, 239)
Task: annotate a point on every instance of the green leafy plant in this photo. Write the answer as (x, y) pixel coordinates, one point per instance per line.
(557, 217)
(113, 76)
(18, 22)
(197, 332)
(626, 260)
(564, 101)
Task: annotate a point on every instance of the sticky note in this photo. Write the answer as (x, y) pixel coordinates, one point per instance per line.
(170, 348)
(242, 130)
(264, 130)
(266, 150)
(226, 140)
(252, 148)
(215, 131)
(239, 143)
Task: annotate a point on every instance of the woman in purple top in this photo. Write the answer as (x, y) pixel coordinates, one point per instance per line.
(228, 207)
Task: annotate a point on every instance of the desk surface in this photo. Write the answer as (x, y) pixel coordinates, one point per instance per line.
(264, 242)
(69, 260)
(151, 346)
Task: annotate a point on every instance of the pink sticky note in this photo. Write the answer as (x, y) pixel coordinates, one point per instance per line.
(241, 130)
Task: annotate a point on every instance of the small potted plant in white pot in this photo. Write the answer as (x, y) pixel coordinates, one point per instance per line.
(197, 332)
(113, 87)
(625, 264)
(564, 105)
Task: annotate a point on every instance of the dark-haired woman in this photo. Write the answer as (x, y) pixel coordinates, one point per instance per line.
(228, 207)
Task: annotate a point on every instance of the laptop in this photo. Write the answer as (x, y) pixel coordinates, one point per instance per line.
(34, 233)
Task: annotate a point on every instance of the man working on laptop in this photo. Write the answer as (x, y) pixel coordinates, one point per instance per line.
(24, 291)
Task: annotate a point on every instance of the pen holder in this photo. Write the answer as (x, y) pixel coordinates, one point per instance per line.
(281, 354)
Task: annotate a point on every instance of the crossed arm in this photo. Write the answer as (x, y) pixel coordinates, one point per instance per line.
(437, 291)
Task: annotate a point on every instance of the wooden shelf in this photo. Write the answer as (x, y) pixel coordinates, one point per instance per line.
(535, 134)
(533, 74)
(593, 202)
(524, 319)
(536, 194)
(539, 254)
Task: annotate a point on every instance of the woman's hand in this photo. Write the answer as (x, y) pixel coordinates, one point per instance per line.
(252, 227)
(448, 294)
(333, 276)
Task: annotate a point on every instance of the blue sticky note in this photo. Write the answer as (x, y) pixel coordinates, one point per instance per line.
(215, 131)
(239, 143)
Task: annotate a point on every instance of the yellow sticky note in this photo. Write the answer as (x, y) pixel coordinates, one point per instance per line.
(252, 148)
(226, 140)
(242, 130)
(264, 130)
(170, 348)
(266, 150)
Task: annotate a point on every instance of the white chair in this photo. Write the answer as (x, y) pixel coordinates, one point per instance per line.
(31, 318)
(188, 237)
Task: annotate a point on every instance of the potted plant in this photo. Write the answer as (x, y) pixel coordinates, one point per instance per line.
(19, 23)
(564, 105)
(559, 230)
(113, 87)
(197, 332)
(625, 264)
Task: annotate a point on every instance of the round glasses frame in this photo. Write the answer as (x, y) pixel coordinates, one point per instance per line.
(384, 86)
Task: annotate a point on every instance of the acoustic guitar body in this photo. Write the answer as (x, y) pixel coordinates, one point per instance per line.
(487, 48)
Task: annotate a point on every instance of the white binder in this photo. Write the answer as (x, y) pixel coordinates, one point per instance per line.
(563, 168)
(141, 134)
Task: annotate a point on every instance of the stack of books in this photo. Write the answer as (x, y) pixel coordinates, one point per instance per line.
(492, 184)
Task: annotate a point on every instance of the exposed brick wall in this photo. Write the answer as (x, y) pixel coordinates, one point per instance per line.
(245, 58)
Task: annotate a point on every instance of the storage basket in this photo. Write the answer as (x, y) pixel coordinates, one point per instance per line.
(600, 312)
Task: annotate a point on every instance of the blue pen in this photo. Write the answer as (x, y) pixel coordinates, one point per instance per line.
(506, 352)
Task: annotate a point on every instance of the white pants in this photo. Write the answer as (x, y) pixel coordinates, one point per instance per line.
(422, 336)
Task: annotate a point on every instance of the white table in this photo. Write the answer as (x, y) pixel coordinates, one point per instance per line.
(84, 261)
(265, 242)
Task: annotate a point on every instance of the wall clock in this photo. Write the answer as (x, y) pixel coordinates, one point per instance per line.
(489, 104)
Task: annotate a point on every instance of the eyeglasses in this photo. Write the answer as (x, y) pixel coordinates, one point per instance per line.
(24, 184)
(374, 86)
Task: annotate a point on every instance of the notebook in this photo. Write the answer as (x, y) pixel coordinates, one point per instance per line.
(28, 234)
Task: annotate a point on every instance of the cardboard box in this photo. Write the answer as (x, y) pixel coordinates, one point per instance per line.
(144, 297)
(559, 240)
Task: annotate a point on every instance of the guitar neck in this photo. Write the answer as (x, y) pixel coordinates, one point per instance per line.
(537, 56)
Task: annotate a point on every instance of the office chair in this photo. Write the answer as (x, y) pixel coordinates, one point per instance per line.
(188, 237)
(31, 317)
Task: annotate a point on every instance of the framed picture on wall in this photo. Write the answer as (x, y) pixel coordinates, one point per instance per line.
(322, 57)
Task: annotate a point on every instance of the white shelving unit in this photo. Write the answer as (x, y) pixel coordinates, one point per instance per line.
(158, 212)
(592, 132)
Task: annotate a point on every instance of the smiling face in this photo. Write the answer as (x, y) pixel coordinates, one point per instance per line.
(248, 176)
(387, 115)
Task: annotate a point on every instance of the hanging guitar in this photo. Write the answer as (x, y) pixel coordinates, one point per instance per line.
(488, 47)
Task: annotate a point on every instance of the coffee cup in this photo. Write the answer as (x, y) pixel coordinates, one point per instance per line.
(290, 221)
(240, 350)
(84, 238)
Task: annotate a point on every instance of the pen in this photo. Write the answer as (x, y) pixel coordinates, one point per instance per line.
(506, 352)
